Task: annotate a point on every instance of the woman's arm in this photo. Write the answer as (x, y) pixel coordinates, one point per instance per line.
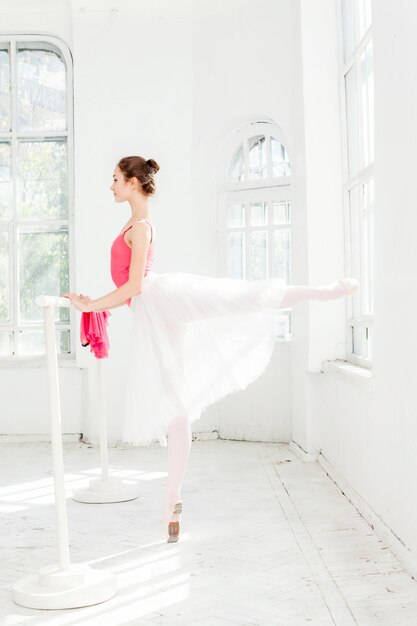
(140, 243)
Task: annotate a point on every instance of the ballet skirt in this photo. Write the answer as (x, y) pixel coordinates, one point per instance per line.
(194, 339)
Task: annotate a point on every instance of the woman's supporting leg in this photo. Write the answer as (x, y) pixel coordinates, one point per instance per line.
(179, 440)
(179, 445)
(300, 293)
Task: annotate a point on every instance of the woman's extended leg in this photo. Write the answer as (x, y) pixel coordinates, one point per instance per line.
(299, 293)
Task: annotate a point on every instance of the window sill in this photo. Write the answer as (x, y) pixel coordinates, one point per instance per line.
(359, 376)
(35, 361)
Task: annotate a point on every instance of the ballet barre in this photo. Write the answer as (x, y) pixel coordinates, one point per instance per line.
(107, 488)
(65, 585)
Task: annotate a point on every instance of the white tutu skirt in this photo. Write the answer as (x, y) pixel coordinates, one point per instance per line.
(194, 340)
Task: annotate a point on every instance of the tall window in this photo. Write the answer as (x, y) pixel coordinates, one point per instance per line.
(35, 190)
(357, 84)
(256, 210)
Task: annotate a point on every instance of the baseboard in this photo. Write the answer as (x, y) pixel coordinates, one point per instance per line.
(306, 457)
(46, 437)
(195, 437)
(78, 437)
(394, 543)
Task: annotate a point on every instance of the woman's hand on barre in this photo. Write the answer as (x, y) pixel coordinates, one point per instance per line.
(80, 302)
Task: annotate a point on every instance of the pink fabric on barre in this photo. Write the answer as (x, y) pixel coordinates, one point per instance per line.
(93, 332)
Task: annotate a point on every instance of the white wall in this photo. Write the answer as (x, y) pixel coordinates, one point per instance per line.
(370, 436)
(243, 71)
(168, 81)
(318, 245)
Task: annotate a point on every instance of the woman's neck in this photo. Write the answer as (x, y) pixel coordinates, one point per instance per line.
(139, 216)
(139, 208)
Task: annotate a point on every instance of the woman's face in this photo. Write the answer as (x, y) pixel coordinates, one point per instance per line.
(121, 188)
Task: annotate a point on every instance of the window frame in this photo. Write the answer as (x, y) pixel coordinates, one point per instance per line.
(363, 176)
(13, 135)
(247, 191)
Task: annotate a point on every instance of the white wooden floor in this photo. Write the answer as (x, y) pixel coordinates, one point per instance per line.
(266, 540)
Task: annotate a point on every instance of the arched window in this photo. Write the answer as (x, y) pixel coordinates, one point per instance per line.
(36, 199)
(255, 209)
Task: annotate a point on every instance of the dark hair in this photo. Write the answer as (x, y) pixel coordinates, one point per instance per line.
(143, 170)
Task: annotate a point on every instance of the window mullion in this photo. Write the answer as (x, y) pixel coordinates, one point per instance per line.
(362, 292)
(13, 229)
(246, 158)
(270, 236)
(268, 157)
(359, 111)
(247, 241)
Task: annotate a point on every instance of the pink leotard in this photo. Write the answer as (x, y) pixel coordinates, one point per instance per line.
(120, 258)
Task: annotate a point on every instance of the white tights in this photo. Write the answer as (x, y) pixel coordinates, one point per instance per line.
(179, 435)
(179, 445)
(300, 293)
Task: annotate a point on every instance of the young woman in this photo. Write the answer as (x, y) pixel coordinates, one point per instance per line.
(194, 338)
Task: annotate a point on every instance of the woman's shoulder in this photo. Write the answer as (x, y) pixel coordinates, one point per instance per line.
(132, 223)
(125, 227)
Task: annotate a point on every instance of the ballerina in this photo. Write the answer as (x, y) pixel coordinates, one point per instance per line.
(194, 338)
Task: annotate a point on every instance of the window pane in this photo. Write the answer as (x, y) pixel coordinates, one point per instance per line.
(6, 343)
(280, 212)
(361, 341)
(281, 261)
(258, 213)
(4, 278)
(259, 259)
(352, 122)
(355, 247)
(32, 342)
(236, 215)
(365, 16)
(237, 166)
(367, 85)
(5, 107)
(279, 158)
(236, 257)
(6, 212)
(367, 278)
(257, 158)
(348, 18)
(41, 79)
(283, 325)
(370, 338)
(43, 269)
(43, 180)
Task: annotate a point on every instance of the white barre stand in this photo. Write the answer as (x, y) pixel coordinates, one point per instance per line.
(62, 586)
(105, 489)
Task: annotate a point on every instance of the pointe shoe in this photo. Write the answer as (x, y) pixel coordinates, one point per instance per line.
(172, 522)
(339, 289)
(349, 285)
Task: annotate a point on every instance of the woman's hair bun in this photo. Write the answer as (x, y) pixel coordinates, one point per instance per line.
(153, 164)
(142, 169)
